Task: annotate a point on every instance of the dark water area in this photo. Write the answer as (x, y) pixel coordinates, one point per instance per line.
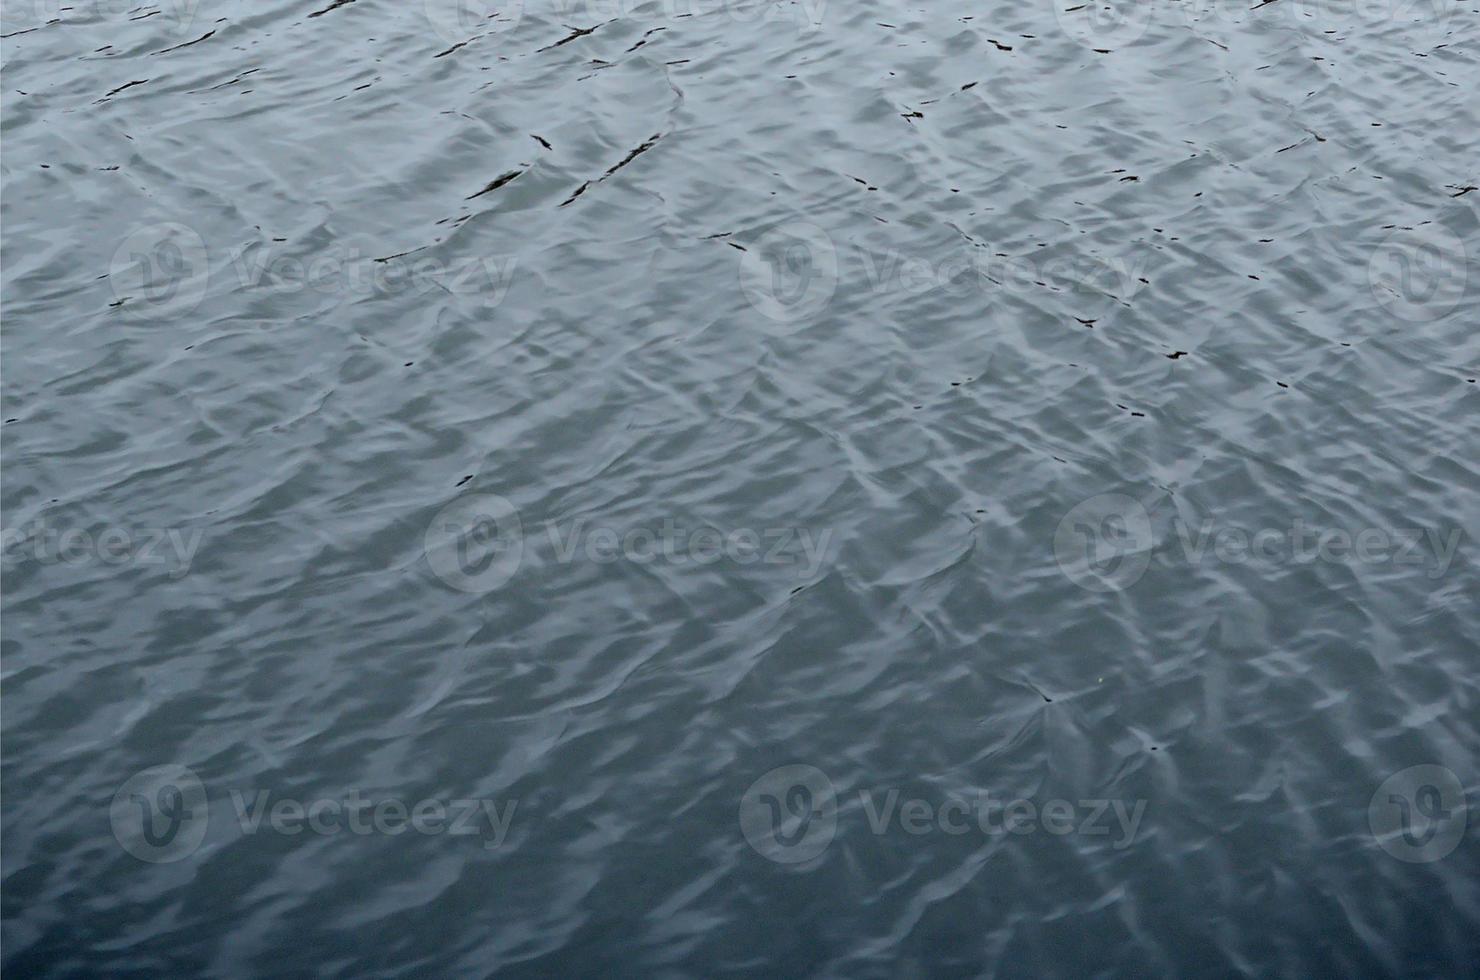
(765, 489)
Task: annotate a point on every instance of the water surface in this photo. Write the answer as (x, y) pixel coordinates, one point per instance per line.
(782, 490)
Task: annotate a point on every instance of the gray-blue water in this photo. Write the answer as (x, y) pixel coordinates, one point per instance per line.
(773, 489)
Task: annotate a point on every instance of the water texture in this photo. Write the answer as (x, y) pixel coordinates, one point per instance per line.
(771, 489)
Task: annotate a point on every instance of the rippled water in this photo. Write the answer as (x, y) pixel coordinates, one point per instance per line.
(776, 489)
